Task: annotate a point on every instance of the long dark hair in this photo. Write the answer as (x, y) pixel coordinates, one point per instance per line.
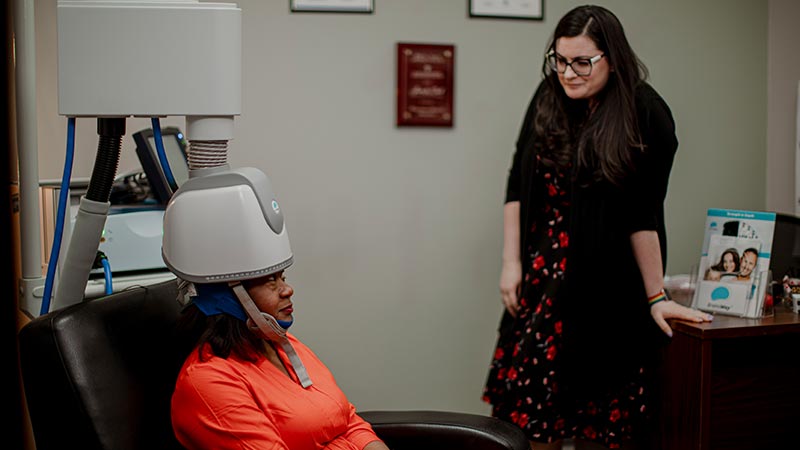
(224, 334)
(607, 135)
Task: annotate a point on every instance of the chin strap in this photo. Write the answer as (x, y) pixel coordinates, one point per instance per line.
(271, 331)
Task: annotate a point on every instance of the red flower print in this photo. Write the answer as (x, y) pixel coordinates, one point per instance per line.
(591, 409)
(512, 373)
(563, 264)
(516, 349)
(501, 374)
(615, 415)
(551, 353)
(538, 308)
(589, 432)
(557, 326)
(522, 420)
(498, 354)
(538, 263)
(559, 424)
(551, 190)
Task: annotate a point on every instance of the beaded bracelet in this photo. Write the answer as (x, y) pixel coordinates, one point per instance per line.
(660, 297)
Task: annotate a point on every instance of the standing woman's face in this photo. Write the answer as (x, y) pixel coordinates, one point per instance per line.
(727, 263)
(581, 87)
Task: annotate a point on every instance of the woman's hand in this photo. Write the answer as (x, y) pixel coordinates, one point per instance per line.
(510, 280)
(662, 311)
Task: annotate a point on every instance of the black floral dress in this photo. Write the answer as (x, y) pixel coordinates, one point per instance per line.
(524, 381)
(597, 389)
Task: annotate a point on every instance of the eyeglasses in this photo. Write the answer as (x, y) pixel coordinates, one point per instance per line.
(581, 66)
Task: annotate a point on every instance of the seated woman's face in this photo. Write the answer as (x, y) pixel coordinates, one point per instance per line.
(728, 263)
(273, 295)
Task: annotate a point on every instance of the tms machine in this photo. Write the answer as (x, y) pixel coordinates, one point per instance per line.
(148, 58)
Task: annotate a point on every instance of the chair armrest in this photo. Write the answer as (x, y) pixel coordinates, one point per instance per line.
(420, 430)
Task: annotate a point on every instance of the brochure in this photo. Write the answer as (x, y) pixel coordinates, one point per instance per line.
(734, 266)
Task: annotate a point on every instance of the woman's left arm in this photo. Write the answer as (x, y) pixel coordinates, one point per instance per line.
(359, 434)
(647, 251)
(648, 192)
(376, 445)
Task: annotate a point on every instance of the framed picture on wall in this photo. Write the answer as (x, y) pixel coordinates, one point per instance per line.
(425, 80)
(348, 6)
(507, 9)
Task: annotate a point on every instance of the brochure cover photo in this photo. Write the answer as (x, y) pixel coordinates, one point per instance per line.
(734, 265)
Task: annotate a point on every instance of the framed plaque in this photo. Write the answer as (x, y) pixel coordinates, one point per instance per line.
(349, 6)
(425, 84)
(507, 9)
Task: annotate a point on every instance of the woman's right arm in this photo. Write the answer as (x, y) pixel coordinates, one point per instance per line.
(511, 273)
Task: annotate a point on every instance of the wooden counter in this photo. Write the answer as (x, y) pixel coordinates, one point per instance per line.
(733, 383)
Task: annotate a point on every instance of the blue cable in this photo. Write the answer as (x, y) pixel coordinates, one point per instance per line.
(162, 154)
(62, 208)
(107, 275)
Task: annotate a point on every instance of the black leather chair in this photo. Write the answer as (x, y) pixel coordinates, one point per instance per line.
(99, 375)
(442, 430)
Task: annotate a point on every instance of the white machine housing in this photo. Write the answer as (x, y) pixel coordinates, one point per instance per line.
(149, 58)
(225, 225)
(131, 240)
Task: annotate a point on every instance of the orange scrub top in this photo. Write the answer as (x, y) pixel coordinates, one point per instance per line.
(235, 404)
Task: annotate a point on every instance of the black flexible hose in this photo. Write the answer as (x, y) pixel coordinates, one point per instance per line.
(106, 162)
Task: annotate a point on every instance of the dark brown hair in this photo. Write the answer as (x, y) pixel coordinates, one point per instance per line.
(224, 334)
(604, 139)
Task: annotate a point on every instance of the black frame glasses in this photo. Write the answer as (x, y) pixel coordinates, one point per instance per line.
(583, 66)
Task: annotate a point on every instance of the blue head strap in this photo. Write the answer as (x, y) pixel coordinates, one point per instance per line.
(218, 298)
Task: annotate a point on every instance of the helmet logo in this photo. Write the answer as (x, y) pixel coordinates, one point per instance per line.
(275, 207)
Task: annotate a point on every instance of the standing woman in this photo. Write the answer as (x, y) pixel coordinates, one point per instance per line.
(584, 245)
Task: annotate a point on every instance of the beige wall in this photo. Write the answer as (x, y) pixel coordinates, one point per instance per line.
(783, 76)
(397, 232)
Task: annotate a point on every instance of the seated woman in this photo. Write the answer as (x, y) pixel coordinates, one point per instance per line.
(249, 384)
